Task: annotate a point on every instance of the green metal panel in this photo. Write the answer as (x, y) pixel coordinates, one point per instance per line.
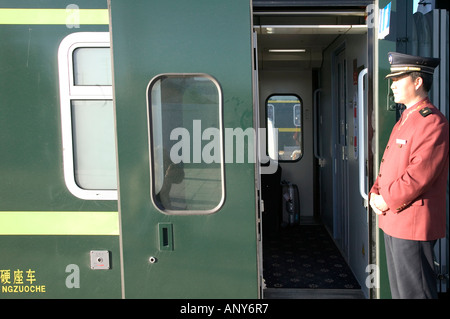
(385, 121)
(43, 227)
(30, 125)
(210, 255)
(39, 267)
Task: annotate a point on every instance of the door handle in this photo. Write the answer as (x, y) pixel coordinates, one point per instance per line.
(165, 231)
(316, 131)
(362, 136)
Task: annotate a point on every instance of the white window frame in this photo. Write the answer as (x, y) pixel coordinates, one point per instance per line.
(156, 136)
(68, 92)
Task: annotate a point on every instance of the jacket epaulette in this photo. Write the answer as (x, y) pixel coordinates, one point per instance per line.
(425, 111)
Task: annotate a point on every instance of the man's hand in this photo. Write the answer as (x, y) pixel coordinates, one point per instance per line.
(378, 204)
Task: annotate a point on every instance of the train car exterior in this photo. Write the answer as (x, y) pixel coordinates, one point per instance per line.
(136, 141)
(48, 229)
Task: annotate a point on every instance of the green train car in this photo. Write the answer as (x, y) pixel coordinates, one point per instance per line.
(146, 147)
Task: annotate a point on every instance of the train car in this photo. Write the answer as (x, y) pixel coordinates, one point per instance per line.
(51, 220)
(201, 149)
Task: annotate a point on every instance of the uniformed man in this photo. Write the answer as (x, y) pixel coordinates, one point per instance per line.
(409, 194)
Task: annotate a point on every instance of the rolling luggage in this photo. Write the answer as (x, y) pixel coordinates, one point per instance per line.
(290, 210)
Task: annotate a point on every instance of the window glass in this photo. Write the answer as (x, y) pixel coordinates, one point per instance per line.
(186, 143)
(93, 144)
(88, 132)
(284, 127)
(92, 66)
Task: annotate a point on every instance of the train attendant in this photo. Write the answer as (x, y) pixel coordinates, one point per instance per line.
(409, 194)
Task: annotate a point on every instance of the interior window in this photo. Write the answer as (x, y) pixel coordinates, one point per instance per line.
(186, 143)
(284, 127)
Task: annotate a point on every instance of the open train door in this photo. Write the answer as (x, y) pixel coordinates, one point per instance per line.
(184, 116)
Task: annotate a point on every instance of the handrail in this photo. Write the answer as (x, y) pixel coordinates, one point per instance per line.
(315, 130)
(361, 136)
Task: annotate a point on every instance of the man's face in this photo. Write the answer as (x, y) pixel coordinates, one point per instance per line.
(404, 89)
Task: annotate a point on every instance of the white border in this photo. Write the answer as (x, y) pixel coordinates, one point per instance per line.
(69, 91)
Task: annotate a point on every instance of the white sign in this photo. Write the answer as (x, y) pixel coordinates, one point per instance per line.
(384, 21)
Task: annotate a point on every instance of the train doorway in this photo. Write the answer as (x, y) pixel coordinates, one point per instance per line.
(312, 59)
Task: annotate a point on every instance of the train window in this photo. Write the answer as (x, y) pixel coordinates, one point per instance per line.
(284, 127)
(94, 144)
(87, 118)
(92, 66)
(185, 124)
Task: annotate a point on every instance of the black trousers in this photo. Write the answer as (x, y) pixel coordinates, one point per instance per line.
(411, 268)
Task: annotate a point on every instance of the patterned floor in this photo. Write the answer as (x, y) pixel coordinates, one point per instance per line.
(305, 257)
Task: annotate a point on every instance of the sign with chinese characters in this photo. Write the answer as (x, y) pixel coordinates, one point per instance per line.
(20, 281)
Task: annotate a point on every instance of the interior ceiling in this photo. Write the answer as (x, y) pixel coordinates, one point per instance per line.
(312, 31)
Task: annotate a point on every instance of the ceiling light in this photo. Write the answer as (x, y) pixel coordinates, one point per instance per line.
(287, 50)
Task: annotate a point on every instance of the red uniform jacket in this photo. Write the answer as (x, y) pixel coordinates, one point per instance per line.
(413, 175)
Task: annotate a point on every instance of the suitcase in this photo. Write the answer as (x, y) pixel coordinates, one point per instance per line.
(290, 210)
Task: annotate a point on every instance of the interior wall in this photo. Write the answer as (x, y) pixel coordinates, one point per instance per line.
(357, 236)
(297, 82)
